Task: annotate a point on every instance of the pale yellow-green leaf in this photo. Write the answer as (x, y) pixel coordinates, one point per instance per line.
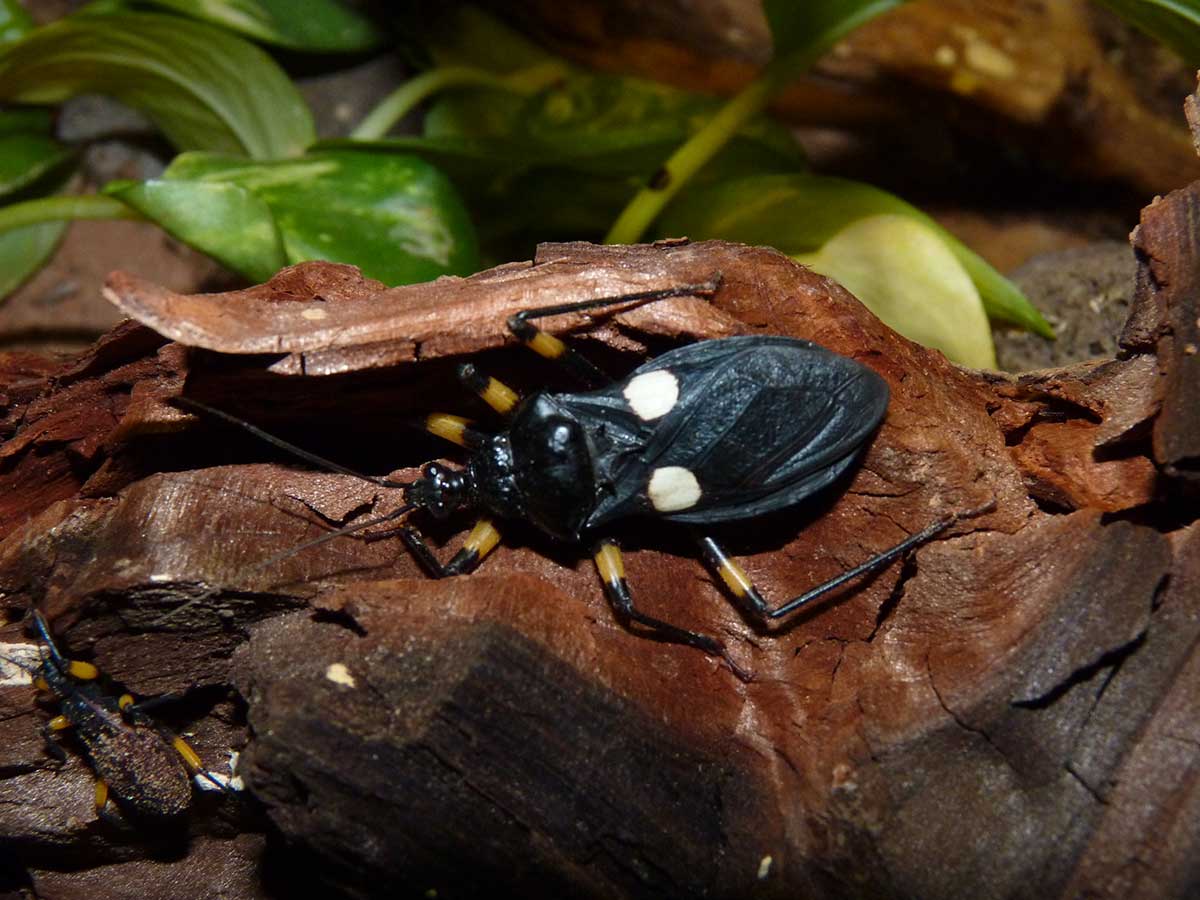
(902, 270)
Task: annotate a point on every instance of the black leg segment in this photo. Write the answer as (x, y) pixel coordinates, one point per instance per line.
(611, 567)
(479, 543)
(547, 345)
(744, 591)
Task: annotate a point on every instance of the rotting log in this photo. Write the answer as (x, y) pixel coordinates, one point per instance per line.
(992, 713)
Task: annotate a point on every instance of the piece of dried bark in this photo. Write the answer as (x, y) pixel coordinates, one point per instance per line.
(951, 719)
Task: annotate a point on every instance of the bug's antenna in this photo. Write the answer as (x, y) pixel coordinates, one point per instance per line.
(291, 551)
(321, 462)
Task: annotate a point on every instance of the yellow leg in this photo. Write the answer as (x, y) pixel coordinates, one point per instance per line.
(455, 429)
(58, 723)
(101, 794)
(84, 671)
(190, 757)
(495, 394)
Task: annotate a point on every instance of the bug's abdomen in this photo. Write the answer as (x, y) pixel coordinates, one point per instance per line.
(733, 428)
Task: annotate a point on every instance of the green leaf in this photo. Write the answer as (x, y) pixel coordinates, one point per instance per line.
(395, 217)
(25, 250)
(811, 27)
(15, 23)
(318, 26)
(27, 152)
(598, 123)
(902, 271)
(25, 158)
(26, 119)
(1175, 23)
(799, 213)
(205, 88)
(225, 221)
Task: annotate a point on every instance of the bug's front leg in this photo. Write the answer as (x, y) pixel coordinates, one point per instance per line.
(611, 566)
(481, 540)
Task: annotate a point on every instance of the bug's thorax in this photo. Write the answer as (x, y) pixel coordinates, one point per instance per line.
(540, 469)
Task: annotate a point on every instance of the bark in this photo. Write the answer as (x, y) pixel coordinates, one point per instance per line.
(1012, 708)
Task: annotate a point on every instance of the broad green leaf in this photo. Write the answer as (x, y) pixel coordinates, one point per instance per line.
(319, 26)
(27, 152)
(395, 217)
(25, 250)
(902, 270)
(597, 123)
(1175, 23)
(225, 221)
(545, 194)
(24, 158)
(799, 213)
(15, 22)
(205, 88)
(28, 119)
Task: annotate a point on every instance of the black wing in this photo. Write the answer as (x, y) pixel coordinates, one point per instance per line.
(760, 423)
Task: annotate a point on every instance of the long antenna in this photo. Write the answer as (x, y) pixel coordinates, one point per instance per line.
(291, 551)
(319, 461)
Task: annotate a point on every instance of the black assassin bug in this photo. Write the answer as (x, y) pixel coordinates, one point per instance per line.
(138, 763)
(713, 432)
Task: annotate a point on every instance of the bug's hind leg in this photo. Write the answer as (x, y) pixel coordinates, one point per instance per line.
(481, 540)
(744, 591)
(548, 346)
(611, 567)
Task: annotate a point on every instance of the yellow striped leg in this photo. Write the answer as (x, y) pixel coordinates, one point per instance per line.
(454, 429)
(611, 567)
(744, 591)
(496, 394)
(548, 346)
(481, 540)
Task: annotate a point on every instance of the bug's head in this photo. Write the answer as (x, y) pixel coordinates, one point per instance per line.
(439, 490)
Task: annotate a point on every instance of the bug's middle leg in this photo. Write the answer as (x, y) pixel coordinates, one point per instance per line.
(611, 568)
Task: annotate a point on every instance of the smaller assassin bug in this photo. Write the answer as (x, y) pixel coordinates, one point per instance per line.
(712, 432)
(138, 763)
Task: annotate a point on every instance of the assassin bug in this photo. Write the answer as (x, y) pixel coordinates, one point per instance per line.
(138, 763)
(718, 431)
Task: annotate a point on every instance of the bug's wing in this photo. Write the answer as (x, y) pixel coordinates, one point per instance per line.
(760, 423)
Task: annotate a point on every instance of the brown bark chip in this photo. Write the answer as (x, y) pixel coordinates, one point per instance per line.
(986, 715)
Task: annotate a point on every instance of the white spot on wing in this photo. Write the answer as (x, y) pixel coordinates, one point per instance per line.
(652, 394)
(673, 488)
(339, 674)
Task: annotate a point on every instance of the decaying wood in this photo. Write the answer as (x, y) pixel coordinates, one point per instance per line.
(993, 712)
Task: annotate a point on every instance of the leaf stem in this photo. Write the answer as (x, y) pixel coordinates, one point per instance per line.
(404, 99)
(689, 158)
(57, 209)
(720, 129)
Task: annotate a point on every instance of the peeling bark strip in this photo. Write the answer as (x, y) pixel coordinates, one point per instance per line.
(1169, 240)
(991, 716)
